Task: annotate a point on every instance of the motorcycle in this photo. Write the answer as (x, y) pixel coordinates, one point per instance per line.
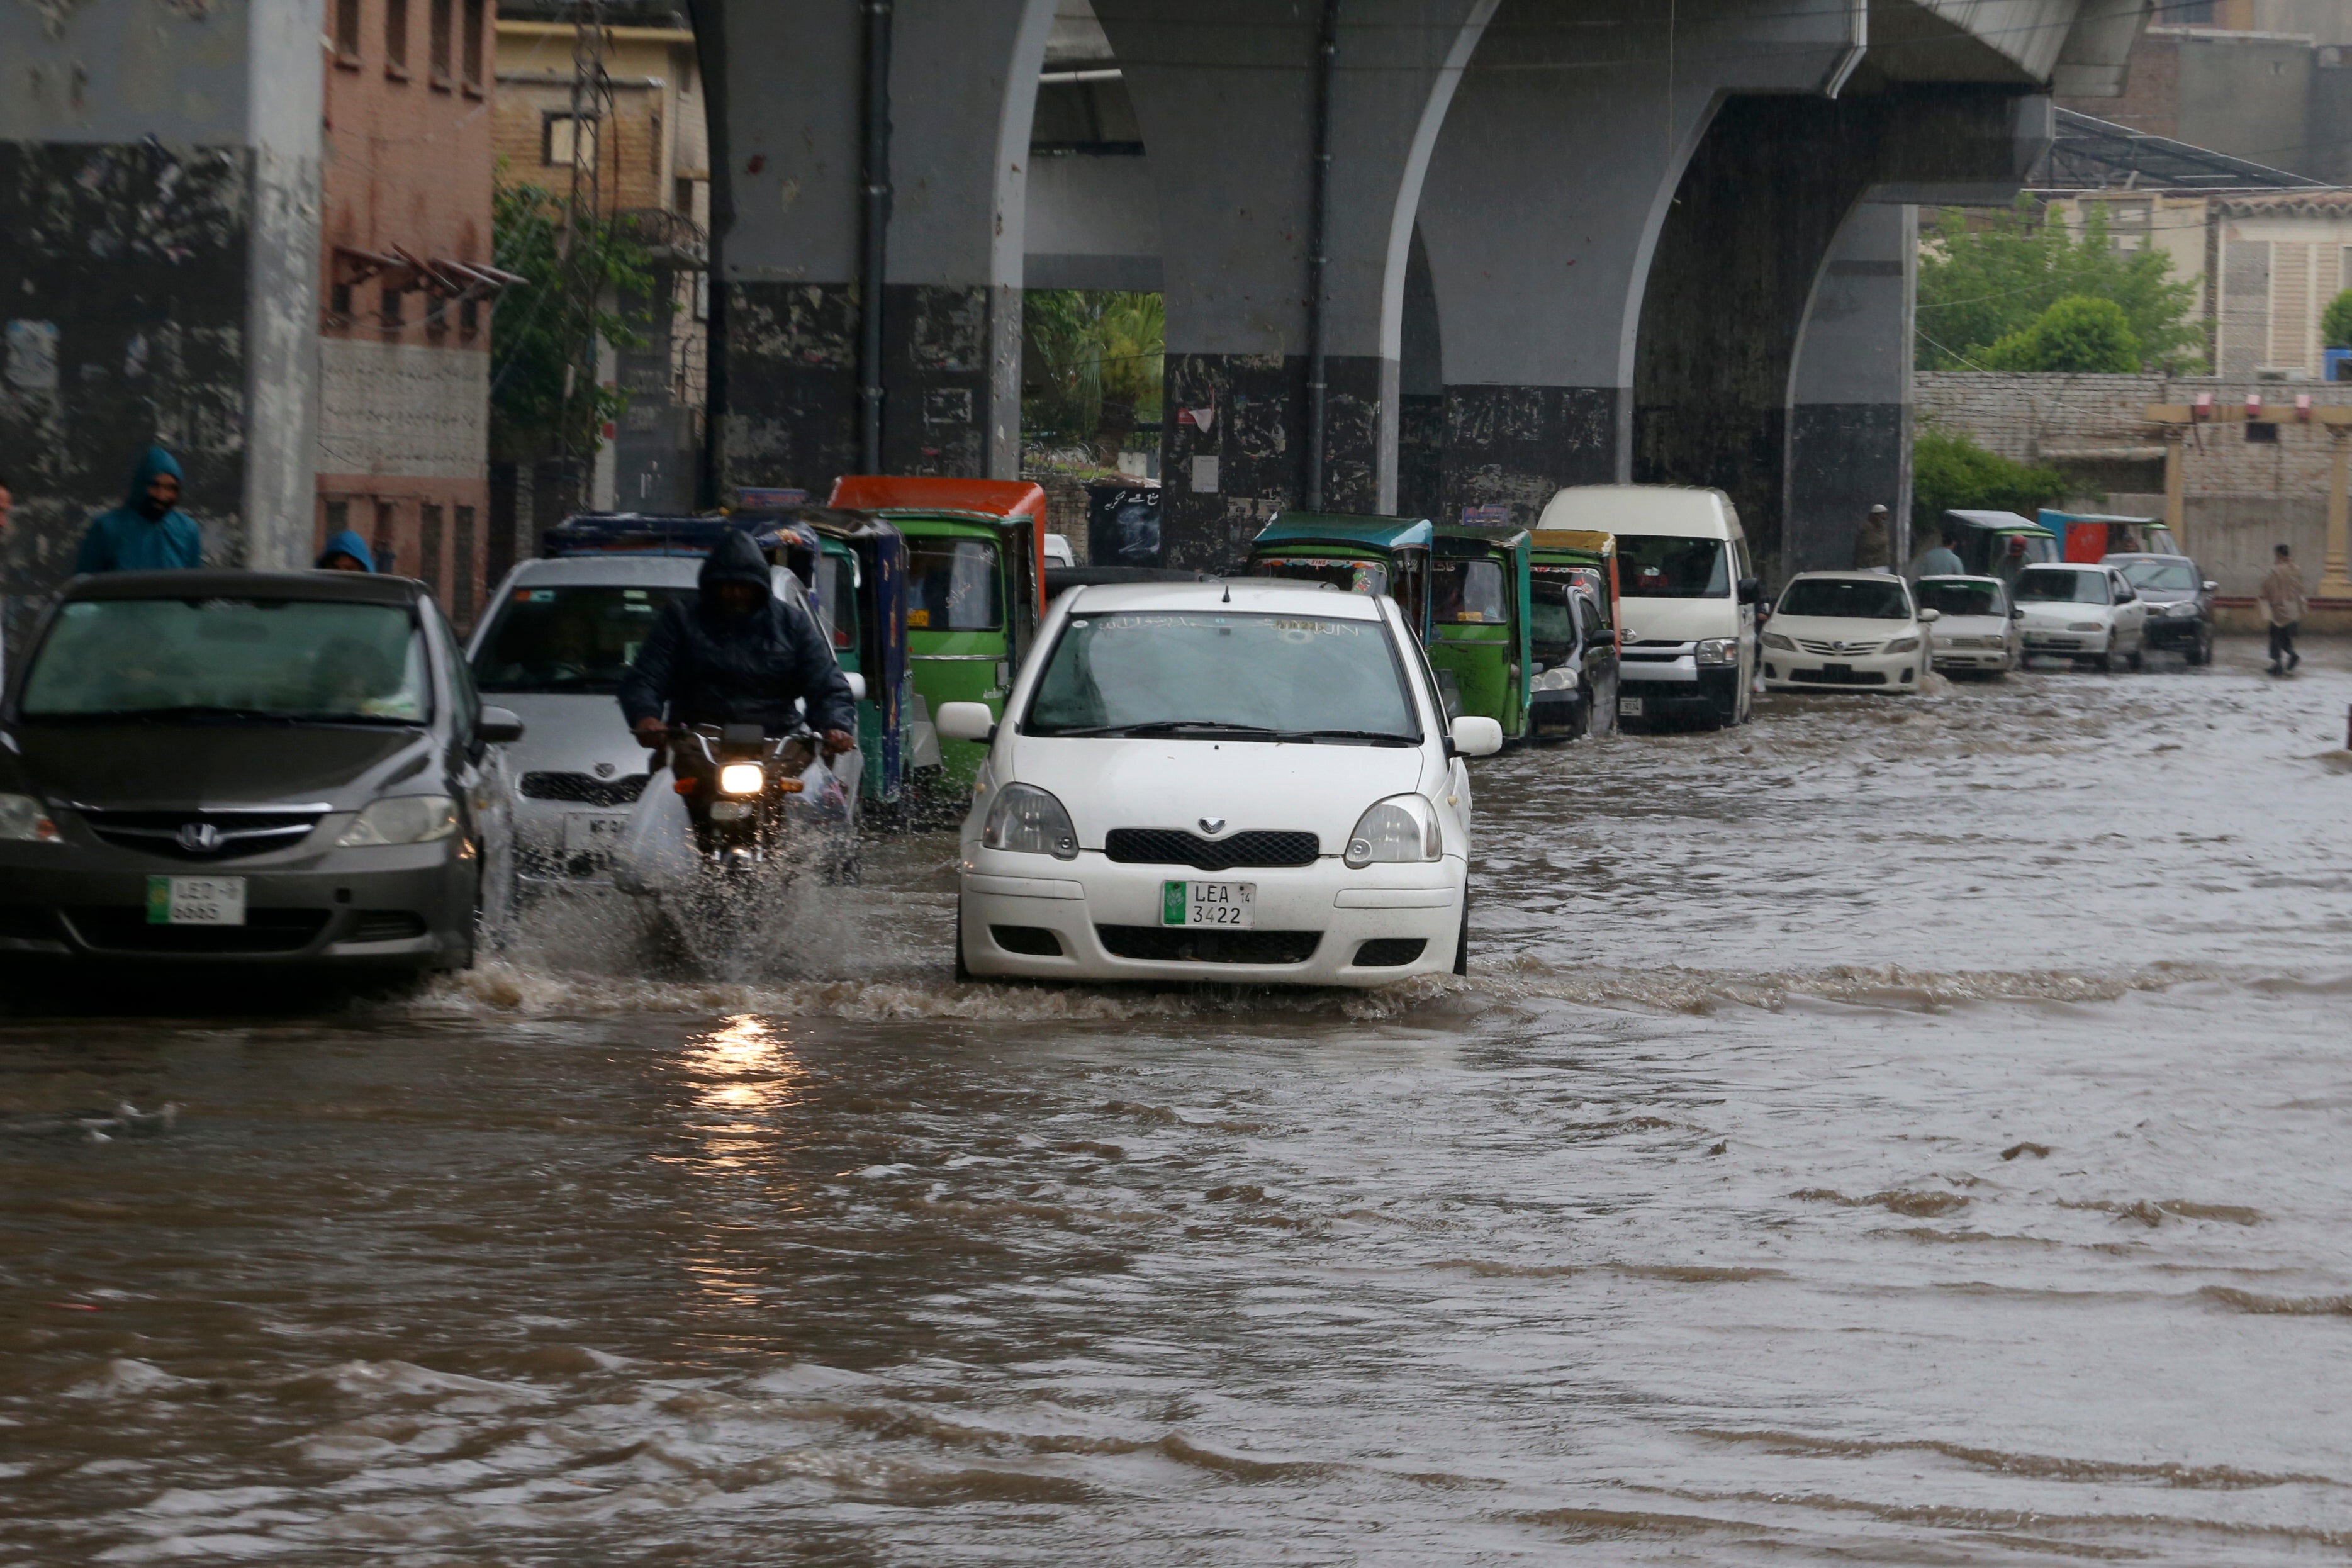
(736, 780)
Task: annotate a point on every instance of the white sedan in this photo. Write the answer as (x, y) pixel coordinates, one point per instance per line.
(1246, 781)
(1976, 630)
(1847, 631)
(2083, 613)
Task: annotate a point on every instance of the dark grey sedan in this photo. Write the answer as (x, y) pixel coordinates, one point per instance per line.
(2180, 602)
(249, 767)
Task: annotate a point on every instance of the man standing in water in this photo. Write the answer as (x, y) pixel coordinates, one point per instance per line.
(147, 532)
(2282, 602)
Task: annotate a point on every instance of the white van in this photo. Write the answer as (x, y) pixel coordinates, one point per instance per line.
(1688, 595)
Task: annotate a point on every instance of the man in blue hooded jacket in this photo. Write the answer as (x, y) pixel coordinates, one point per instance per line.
(737, 656)
(347, 552)
(147, 532)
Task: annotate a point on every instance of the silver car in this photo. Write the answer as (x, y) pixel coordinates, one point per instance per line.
(556, 638)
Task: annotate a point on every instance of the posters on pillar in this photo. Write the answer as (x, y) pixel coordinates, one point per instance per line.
(1204, 476)
(1201, 419)
(757, 498)
(1493, 515)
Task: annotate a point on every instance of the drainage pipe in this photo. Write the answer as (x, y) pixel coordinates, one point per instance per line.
(875, 198)
(1318, 204)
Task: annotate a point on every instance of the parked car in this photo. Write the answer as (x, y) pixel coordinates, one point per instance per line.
(2180, 600)
(554, 646)
(1687, 616)
(1058, 551)
(1847, 631)
(227, 767)
(1976, 630)
(1573, 634)
(2086, 614)
(1237, 781)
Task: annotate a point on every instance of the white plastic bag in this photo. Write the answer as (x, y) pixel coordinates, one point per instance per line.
(656, 853)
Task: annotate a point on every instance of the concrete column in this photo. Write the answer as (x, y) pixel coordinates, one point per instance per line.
(1551, 182)
(1223, 93)
(785, 79)
(1850, 392)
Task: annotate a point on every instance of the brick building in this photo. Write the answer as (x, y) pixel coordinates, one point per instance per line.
(405, 289)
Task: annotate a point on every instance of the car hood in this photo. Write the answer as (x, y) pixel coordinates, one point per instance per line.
(567, 733)
(2168, 596)
(174, 765)
(1322, 789)
(2045, 615)
(1678, 620)
(1840, 628)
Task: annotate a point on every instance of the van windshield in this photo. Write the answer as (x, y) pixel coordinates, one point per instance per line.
(575, 638)
(1660, 566)
(952, 586)
(232, 658)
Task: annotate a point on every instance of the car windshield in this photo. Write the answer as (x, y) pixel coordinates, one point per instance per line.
(1174, 672)
(836, 589)
(1846, 599)
(1962, 599)
(1355, 577)
(1660, 566)
(1553, 626)
(2164, 576)
(2043, 585)
(572, 637)
(952, 586)
(1467, 593)
(226, 657)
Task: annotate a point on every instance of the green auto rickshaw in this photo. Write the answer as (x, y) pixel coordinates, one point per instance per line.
(1362, 554)
(1480, 613)
(975, 589)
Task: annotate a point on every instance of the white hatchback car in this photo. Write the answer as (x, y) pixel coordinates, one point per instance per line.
(1847, 631)
(2087, 614)
(1975, 634)
(1245, 781)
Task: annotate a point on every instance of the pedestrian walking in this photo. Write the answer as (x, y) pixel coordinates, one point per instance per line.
(1874, 543)
(147, 532)
(2282, 602)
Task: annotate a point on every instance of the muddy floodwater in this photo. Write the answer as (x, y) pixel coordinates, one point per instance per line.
(1900, 1131)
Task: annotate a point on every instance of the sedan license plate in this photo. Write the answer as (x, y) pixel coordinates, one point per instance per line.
(1230, 905)
(593, 832)
(195, 900)
(1629, 707)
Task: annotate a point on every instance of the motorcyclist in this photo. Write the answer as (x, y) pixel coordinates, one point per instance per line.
(737, 656)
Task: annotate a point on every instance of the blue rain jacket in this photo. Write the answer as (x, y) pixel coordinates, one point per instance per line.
(347, 543)
(127, 539)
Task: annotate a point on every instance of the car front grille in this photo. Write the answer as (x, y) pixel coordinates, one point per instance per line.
(1174, 846)
(234, 834)
(125, 930)
(1190, 944)
(583, 790)
(1836, 650)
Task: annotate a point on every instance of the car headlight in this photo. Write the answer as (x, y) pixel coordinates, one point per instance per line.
(1718, 650)
(1901, 644)
(741, 778)
(2184, 610)
(24, 820)
(1774, 639)
(403, 819)
(1026, 820)
(2086, 626)
(1402, 827)
(1559, 677)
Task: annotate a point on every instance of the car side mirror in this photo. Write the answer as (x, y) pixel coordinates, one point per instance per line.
(965, 722)
(1477, 737)
(1928, 615)
(497, 726)
(1751, 590)
(856, 685)
(2211, 585)
(2017, 612)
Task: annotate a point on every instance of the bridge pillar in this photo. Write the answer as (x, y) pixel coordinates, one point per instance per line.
(786, 80)
(1224, 93)
(1849, 394)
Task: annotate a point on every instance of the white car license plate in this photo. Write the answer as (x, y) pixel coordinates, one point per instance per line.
(593, 832)
(195, 900)
(1629, 707)
(1231, 905)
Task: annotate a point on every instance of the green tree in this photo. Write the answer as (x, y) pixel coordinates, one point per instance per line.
(2336, 322)
(2078, 333)
(544, 399)
(1983, 280)
(1949, 472)
(1092, 362)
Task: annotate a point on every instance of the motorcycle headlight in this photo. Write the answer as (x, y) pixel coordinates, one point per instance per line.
(1901, 644)
(741, 778)
(1402, 827)
(1720, 650)
(403, 819)
(1774, 639)
(2086, 626)
(25, 820)
(1030, 821)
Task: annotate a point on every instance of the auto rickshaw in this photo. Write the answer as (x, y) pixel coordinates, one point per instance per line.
(1999, 544)
(857, 580)
(975, 588)
(1575, 647)
(1480, 610)
(1363, 554)
(2090, 538)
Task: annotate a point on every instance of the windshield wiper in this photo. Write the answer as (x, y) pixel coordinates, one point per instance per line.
(1167, 727)
(156, 715)
(1374, 737)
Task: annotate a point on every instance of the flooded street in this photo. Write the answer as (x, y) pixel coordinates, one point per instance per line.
(1902, 1130)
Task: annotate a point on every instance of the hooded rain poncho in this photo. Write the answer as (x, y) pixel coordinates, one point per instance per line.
(703, 666)
(127, 540)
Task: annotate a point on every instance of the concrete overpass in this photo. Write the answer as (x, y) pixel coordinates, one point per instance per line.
(1564, 240)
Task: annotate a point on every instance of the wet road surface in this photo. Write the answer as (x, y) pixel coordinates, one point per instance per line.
(1898, 1131)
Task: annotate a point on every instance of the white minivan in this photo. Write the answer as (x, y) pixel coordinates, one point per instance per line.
(1687, 597)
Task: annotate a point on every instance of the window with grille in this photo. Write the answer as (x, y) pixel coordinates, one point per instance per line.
(428, 547)
(567, 139)
(395, 37)
(347, 29)
(441, 30)
(461, 568)
(472, 50)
